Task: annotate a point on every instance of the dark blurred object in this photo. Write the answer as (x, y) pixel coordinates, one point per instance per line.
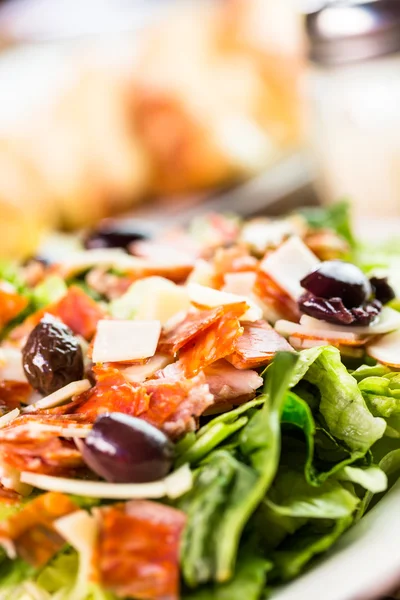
(343, 32)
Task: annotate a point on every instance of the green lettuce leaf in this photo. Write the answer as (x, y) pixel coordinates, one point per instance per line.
(342, 404)
(248, 582)
(336, 217)
(52, 289)
(371, 478)
(312, 539)
(292, 496)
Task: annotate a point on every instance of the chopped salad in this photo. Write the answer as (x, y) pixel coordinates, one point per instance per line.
(194, 416)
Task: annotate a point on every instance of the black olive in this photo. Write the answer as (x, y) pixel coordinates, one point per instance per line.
(339, 279)
(52, 356)
(382, 289)
(116, 233)
(124, 449)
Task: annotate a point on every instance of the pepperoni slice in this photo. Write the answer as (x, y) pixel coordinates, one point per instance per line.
(138, 550)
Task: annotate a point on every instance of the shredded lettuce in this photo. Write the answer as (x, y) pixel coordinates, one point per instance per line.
(52, 289)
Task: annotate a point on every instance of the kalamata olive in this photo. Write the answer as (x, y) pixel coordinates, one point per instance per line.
(124, 449)
(339, 279)
(383, 291)
(52, 356)
(116, 233)
(334, 311)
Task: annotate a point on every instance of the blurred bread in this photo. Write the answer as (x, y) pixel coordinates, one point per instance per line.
(211, 97)
(212, 104)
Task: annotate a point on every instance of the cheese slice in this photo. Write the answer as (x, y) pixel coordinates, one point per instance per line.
(8, 417)
(289, 264)
(386, 349)
(347, 338)
(202, 295)
(121, 341)
(174, 485)
(11, 365)
(60, 396)
(80, 261)
(151, 298)
(388, 320)
(139, 373)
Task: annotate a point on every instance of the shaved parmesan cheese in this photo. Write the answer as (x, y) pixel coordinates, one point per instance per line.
(80, 529)
(206, 296)
(72, 431)
(10, 478)
(288, 328)
(60, 396)
(289, 264)
(241, 283)
(77, 262)
(119, 341)
(261, 234)
(151, 298)
(173, 486)
(11, 365)
(10, 416)
(139, 373)
(388, 321)
(202, 273)
(386, 349)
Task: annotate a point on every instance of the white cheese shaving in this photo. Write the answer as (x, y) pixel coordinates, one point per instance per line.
(11, 479)
(202, 273)
(60, 396)
(261, 234)
(77, 262)
(202, 295)
(139, 373)
(11, 365)
(119, 341)
(288, 328)
(10, 416)
(388, 321)
(80, 529)
(386, 349)
(72, 431)
(174, 485)
(287, 266)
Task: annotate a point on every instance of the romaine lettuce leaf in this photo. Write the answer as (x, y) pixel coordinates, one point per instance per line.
(312, 539)
(248, 582)
(292, 496)
(342, 404)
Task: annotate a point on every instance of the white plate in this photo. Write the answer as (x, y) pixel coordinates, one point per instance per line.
(363, 565)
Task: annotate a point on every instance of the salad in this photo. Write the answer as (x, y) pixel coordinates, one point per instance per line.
(199, 415)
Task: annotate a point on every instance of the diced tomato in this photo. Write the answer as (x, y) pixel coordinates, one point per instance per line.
(31, 530)
(80, 312)
(138, 550)
(257, 346)
(11, 305)
(76, 309)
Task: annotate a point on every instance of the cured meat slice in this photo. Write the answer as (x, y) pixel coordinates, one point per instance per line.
(30, 533)
(257, 346)
(138, 550)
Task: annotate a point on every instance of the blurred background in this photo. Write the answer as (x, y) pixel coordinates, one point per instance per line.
(163, 109)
